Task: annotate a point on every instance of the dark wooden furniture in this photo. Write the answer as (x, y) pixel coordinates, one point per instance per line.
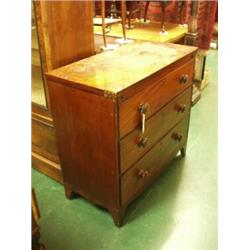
(35, 215)
(123, 20)
(190, 39)
(163, 5)
(113, 10)
(62, 32)
(120, 118)
(133, 8)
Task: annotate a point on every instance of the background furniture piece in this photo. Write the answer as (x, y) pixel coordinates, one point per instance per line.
(113, 10)
(35, 213)
(177, 11)
(120, 118)
(150, 31)
(62, 32)
(190, 39)
(133, 8)
(38, 91)
(123, 20)
(200, 29)
(163, 6)
(107, 22)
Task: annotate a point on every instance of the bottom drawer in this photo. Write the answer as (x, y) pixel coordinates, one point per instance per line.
(138, 177)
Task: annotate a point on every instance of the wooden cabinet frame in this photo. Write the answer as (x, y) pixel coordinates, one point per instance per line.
(60, 43)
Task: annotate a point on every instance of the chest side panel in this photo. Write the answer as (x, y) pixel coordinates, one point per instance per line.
(87, 142)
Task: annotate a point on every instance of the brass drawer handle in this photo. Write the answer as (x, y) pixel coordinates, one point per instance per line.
(143, 108)
(142, 142)
(177, 137)
(183, 79)
(142, 173)
(181, 108)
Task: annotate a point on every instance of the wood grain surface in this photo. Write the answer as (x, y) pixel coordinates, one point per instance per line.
(156, 94)
(65, 35)
(95, 105)
(116, 70)
(153, 162)
(86, 137)
(156, 127)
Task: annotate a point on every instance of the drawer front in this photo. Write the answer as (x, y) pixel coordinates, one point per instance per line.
(156, 95)
(137, 178)
(134, 146)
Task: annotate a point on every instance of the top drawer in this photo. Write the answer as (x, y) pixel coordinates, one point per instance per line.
(156, 95)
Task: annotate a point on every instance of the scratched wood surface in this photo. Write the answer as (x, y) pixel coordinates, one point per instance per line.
(118, 69)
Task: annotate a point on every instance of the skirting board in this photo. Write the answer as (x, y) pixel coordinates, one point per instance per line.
(47, 167)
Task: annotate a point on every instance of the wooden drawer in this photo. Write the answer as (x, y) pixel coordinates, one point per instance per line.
(156, 95)
(137, 178)
(44, 140)
(156, 127)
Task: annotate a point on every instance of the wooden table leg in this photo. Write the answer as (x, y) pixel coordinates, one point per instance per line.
(163, 5)
(182, 8)
(103, 23)
(146, 11)
(123, 10)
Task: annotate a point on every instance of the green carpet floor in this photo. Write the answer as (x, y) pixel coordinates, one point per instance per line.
(179, 212)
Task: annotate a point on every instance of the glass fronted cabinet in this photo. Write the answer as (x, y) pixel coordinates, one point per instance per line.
(38, 90)
(53, 46)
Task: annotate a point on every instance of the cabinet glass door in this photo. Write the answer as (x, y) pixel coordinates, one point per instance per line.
(38, 91)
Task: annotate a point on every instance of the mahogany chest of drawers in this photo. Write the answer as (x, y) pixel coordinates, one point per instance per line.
(120, 118)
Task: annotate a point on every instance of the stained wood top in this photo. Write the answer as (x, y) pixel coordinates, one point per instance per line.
(116, 70)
